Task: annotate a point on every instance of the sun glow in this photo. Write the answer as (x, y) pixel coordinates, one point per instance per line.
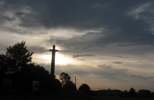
(64, 60)
(61, 59)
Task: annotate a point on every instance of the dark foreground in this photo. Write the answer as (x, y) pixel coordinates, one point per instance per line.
(71, 98)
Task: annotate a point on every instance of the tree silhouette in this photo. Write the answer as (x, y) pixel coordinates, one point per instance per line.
(19, 53)
(69, 88)
(84, 90)
(132, 92)
(19, 57)
(144, 93)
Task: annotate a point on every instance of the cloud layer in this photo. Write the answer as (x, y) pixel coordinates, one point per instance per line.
(118, 34)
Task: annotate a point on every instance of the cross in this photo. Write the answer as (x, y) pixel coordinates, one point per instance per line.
(53, 53)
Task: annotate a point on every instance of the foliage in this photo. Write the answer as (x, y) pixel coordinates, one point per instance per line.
(84, 89)
(19, 53)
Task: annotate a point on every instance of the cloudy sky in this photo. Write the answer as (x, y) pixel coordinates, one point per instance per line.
(105, 43)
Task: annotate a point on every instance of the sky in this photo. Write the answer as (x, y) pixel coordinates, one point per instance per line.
(104, 43)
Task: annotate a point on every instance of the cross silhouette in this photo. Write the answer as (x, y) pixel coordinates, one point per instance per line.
(53, 55)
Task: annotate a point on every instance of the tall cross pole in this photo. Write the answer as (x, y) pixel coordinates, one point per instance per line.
(53, 55)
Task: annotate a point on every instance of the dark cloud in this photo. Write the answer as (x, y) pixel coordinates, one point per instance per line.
(86, 14)
(38, 49)
(77, 13)
(118, 62)
(121, 31)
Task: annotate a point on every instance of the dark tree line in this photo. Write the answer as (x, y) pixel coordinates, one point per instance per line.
(19, 76)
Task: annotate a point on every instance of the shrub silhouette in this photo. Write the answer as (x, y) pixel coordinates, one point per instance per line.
(69, 88)
(84, 90)
(132, 92)
(144, 93)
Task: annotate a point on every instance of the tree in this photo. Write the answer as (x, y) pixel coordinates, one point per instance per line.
(6, 63)
(144, 93)
(19, 53)
(69, 88)
(132, 92)
(84, 89)
(65, 78)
